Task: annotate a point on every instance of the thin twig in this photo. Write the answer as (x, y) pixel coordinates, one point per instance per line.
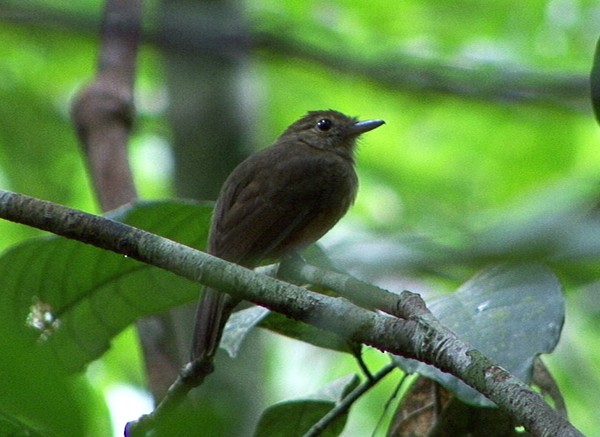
(406, 305)
(361, 363)
(191, 376)
(344, 405)
(389, 401)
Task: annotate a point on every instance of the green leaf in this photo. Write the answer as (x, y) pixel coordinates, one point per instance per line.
(76, 298)
(296, 417)
(40, 398)
(511, 313)
(13, 427)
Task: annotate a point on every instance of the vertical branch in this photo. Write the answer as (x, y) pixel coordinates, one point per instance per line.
(103, 114)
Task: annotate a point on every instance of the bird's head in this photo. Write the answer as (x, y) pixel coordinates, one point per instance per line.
(329, 131)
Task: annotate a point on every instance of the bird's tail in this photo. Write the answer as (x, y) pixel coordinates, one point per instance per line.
(213, 311)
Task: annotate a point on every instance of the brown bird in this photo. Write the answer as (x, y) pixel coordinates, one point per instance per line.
(279, 200)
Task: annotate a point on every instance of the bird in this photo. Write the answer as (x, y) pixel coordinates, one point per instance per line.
(278, 201)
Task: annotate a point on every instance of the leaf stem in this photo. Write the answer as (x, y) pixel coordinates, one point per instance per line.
(344, 405)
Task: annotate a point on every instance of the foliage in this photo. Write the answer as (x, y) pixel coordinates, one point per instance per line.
(450, 168)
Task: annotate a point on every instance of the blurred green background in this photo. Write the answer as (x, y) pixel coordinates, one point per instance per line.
(487, 112)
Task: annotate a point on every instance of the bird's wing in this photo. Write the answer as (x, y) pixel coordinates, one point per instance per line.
(283, 207)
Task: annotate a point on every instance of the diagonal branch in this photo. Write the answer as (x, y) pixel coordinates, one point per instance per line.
(419, 339)
(344, 405)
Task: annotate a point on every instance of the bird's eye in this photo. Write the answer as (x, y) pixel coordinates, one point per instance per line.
(324, 124)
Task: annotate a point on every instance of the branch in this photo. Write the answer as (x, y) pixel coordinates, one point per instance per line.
(396, 71)
(103, 112)
(412, 338)
(344, 405)
(359, 292)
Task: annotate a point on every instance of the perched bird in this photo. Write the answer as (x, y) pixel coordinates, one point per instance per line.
(279, 200)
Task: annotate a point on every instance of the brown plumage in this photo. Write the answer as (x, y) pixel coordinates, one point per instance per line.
(279, 200)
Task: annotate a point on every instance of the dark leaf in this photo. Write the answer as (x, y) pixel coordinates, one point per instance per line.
(238, 326)
(430, 410)
(511, 313)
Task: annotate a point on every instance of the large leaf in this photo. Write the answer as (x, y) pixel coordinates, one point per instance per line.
(511, 313)
(75, 298)
(296, 417)
(40, 398)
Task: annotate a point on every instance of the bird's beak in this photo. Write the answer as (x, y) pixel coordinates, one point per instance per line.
(360, 127)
